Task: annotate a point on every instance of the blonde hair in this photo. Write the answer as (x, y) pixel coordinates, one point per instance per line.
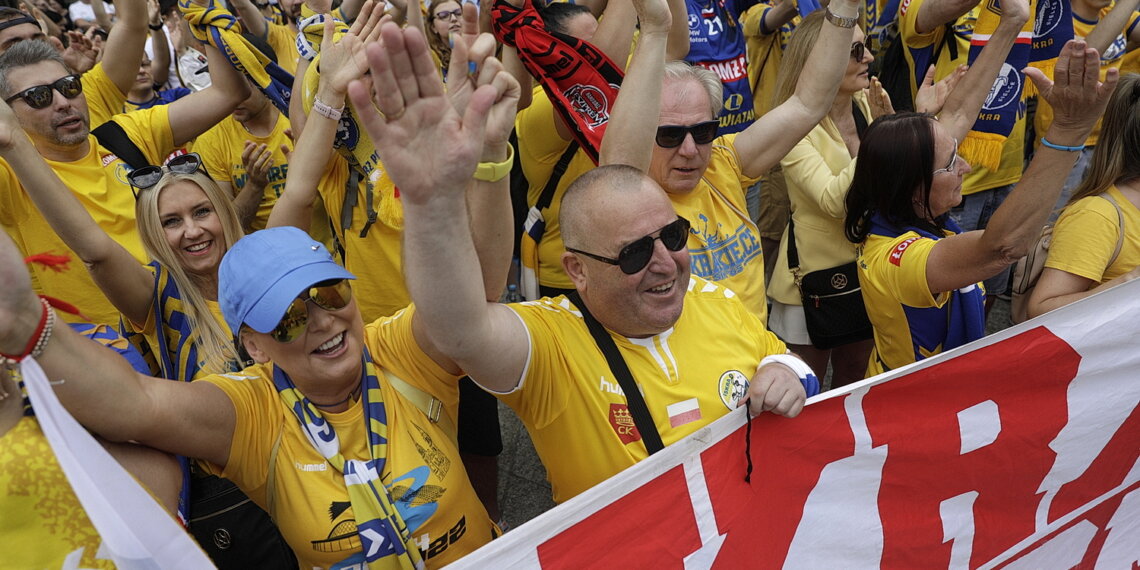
(799, 48)
(1116, 157)
(214, 343)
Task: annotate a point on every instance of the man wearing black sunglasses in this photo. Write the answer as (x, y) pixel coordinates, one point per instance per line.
(45, 101)
(691, 345)
(665, 123)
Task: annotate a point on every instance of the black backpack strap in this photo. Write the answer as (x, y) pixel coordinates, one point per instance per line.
(547, 195)
(637, 408)
(860, 119)
(112, 137)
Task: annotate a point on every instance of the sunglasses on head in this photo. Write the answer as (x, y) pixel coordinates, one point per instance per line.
(329, 295)
(41, 96)
(146, 177)
(858, 50)
(635, 256)
(669, 136)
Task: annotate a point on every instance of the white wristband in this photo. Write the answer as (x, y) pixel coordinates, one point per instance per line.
(799, 367)
(321, 108)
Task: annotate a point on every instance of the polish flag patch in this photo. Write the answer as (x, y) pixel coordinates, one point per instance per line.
(683, 412)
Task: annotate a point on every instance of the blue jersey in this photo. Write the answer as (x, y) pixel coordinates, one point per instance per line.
(716, 42)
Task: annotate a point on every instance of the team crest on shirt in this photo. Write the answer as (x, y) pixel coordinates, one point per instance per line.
(622, 422)
(732, 386)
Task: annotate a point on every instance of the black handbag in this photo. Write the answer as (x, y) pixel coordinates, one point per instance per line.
(234, 532)
(832, 301)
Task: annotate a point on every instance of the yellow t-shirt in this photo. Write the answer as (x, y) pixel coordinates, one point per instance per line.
(221, 148)
(1013, 153)
(764, 54)
(423, 471)
(283, 40)
(375, 259)
(1113, 57)
(99, 181)
(540, 147)
(43, 523)
(724, 242)
(818, 172)
(1086, 235)
(689, 375)
(892, 274)
(104, 100)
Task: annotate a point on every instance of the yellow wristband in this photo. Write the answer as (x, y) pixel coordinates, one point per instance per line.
(496, 171)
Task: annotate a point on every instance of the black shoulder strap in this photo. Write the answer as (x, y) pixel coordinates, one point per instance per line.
(113, 138)
(860, 119)
(547, 195)
(637, 408)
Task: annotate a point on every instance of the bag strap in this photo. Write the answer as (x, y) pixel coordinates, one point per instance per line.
(860, 119)
(271, 477)
(431, 406)
(637, 408)
(547, 195)
(1120, 226)
(112, 137)
(793, 252)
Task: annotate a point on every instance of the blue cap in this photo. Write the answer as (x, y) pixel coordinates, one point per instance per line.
(264, 271)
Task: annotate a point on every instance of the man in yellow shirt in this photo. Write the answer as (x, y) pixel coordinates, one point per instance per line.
(691, 345)
(52, 109)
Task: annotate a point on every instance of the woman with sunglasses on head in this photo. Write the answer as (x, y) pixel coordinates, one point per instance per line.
(919, 273)
(1096, 241)
(818, 172)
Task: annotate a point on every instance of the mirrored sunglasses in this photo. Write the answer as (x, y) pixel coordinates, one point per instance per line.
(635, 256)
(670, 136)
(146, 177)
(41, 96)
(328, 295)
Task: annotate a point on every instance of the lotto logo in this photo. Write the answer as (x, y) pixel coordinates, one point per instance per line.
(897, 252)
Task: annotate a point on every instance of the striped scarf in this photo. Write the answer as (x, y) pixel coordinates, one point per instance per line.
(221, 29)
(384, 537)
(1038, 44)
(582, 82)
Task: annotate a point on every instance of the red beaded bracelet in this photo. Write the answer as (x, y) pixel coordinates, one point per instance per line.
(39, 340)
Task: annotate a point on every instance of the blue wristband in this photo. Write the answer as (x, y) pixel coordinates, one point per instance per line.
(807, 378)
(1045, 142)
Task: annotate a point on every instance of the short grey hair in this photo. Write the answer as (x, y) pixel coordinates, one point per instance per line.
(685, 71)
(24, 54)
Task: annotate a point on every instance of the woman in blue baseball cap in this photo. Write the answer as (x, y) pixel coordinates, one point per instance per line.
(341, 430)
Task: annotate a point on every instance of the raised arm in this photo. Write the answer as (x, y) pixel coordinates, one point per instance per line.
(251, 19)
(123, 52)
(341, 62)
(629, 134)
(128, 285)
(101, 389)
(430, 151)
(160, 62)
(1079, 99)
(965, 101)
(770, 137)
(1111, 25)
(195, 113)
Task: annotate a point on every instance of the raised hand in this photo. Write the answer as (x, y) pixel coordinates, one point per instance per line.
(932, 96)
(343, 60)
(10, 130)
(653, 15)
(1077, 95)
(257, 159)
(426, 146)
(879, 100)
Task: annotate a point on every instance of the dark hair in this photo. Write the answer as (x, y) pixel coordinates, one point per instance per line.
(556, 16)
(896, 157)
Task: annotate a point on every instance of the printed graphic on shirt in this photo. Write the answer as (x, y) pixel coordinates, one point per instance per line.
(732, 386)
(623, 425)
(725, 251)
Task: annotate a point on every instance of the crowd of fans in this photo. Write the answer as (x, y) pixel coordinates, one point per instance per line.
(261, 249)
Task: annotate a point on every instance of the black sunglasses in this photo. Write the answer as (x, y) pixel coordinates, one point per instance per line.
(329, 295)
(635, 256)
(858, 50)
(669, 136)
(146, 177)
(41, 96)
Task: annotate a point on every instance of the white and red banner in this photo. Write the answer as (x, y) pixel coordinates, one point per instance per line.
(1016, 451)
